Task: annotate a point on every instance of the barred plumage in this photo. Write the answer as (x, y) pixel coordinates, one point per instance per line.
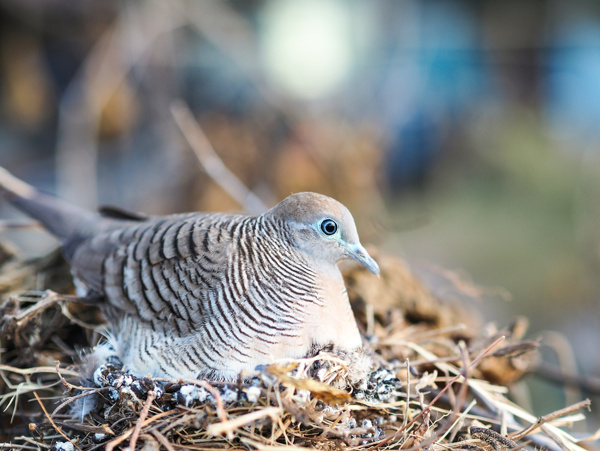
(209, 294)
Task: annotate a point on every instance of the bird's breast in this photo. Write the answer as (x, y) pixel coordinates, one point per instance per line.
(332, 322)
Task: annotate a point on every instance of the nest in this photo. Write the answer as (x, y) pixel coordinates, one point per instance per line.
(439, 381)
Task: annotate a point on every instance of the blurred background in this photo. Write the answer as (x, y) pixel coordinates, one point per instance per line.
(463, 135)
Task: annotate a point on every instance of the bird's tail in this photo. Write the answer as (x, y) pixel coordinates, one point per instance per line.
(60, 218)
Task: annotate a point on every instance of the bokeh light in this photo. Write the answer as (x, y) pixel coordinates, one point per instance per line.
(307, 45)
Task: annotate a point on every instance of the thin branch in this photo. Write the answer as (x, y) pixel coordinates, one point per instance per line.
(553, 374)
(8, 224)
(555, 438)
(162, 440)
(102, 429)
(36, 370)
(229, 426)
(56, 428)
(143, 414)
(551, 416)
(120, 439)
(211, 162)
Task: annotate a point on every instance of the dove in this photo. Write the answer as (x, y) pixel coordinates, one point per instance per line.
(211, 295)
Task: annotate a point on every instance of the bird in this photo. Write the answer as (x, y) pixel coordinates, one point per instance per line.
(210, 295)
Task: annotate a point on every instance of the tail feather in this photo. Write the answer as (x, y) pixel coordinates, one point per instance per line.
(61, 218)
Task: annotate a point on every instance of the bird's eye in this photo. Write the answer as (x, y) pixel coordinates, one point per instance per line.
(329, 227)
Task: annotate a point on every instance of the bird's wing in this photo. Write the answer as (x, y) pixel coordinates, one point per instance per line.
(157, 269)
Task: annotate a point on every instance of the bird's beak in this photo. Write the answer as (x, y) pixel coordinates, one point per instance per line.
(360, 254)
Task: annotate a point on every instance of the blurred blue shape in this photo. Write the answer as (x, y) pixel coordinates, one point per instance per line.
(431, 88)
(450, 57)
(573, 80)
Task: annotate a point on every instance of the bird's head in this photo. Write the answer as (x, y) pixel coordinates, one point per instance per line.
(322, 228)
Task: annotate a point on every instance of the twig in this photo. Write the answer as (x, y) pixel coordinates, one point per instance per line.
(215, 394)
(218, 401)
(35, 370)
(143, 414)
(120, 439)
(422, 335)
(565, 355)
(407, 405)
(67, 314)
(555, 438)
(7, 224)
(462, 394)
(102, 429)
(522, 445)
(111, 445)
(551, 416)
(162, 440)
(592, 438)
(259, 445)
(466, 287)
(62, 379)
(553, 374)
(300, 415)
(48, 299)
(56, 428)
(211, 162)
(229, 426)
(36, 445)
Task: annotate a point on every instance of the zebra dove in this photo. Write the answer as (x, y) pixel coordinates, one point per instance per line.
(209, 295)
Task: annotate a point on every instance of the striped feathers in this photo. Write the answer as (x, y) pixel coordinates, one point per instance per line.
(210, 294)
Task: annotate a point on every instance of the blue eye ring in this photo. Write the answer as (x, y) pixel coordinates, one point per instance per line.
(329, 227)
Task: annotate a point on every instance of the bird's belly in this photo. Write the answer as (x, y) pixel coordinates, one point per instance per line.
(222, 354)
(144, 351)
